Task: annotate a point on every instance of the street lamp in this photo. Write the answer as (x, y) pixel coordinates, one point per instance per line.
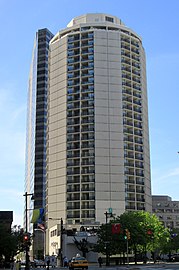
(26, 230)
(107, 215)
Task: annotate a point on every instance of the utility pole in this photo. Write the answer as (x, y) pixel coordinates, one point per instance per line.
(106, 243)
(61, 242)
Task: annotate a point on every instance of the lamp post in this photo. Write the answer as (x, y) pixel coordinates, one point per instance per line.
(26, 230)
(107, 215)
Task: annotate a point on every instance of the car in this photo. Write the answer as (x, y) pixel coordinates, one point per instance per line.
(78, 262)
(175, 257)
(39, 263)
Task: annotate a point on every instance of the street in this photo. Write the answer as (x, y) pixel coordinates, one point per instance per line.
(160, 266)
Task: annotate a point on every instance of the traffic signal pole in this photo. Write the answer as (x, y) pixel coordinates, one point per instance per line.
(127, 253)
(26, 229)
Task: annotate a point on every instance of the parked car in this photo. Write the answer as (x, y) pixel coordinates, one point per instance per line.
(78, 262)
(175, 257)
(39, 263)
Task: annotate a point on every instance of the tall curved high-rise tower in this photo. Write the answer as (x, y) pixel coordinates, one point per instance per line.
(98, 155)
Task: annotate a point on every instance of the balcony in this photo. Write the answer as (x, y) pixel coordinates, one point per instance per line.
(140, 190)
(129, 172)
(75, 162)
(73, 59)
(73, 38)
(124, 46)
(73, 189)
(87, 162)
(125, 61)
(127, 107)
(73, 105)
(73, 129)
(139, 157)
(124, 53)
(87, 206)
(87, 179)
(127, 91)
(130, 199)
(73, 207)
(76, 197)
(130, 189)
(137, 109)
(134, 64)
(88, 170)
(137, 102)
(73, 90)
(87, 153)
(86, 197)
(134, 50)
(128, 155)
(88, 189)
(89, 103)
(138, 140)
(87, 65)
(127, 130)
(130, 207)
(87, 81)
(73, 121)
(87, 50)
(88, 73)
(137, 125)
(75, 113)
(88, 215)
(86, 89)
(139, 148)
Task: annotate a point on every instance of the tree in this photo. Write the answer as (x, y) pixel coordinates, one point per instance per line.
(146, 234)
(10, 242)
(83, 245)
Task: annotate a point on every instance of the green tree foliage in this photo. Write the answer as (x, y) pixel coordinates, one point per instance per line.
(10, 242)
(172, 245)
(146, 234)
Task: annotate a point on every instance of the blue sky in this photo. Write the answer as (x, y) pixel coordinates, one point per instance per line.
(155, 21)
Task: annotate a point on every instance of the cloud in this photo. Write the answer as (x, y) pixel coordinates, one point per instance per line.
(166, 175)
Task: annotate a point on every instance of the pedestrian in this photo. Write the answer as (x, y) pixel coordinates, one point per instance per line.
(48, 263)
(53, 261)
(17, 265)
(100, 261)
(12, 265)
(65, 262)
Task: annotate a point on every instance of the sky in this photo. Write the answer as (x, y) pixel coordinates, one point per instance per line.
(156, 21)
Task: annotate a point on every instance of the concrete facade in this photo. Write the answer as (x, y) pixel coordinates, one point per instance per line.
(166, 210)
(98, 156)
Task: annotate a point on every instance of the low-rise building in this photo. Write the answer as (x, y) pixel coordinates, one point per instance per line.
(6, 219)
(166, 210)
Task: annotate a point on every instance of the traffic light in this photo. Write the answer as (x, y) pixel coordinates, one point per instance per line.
(127, 234)
(26, 238)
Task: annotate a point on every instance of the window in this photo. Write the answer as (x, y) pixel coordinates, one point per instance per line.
(109, 19)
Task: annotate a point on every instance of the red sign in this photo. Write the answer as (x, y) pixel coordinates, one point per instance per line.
(116, 228)
(149, 232)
